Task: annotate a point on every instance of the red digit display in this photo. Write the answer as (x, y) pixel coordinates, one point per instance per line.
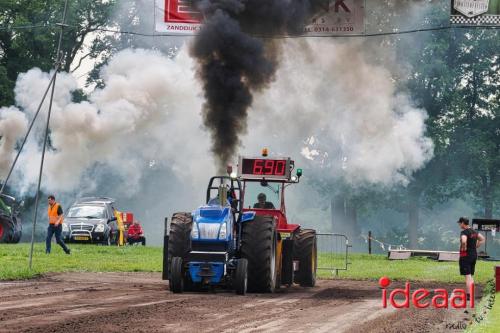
(269, 167)
(265, 167)
(280, 168)
(257, 167)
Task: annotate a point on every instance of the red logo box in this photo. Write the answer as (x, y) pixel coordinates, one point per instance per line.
(180, 11)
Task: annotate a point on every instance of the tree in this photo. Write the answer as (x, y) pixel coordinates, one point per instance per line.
(473, 120)
(35, 43)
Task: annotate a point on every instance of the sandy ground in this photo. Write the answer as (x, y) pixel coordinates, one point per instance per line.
(141, 302)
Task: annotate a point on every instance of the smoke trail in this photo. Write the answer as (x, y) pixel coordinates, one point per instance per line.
(135, 122)
(13, 125)
(233, 64)
(356, 128)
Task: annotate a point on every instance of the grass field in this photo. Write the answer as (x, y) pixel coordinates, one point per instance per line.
(492, 323)
(91, 258)
(487, 312)
(364, 266)
(14, 259)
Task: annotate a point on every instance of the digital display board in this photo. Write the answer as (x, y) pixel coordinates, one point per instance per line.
(259, 168)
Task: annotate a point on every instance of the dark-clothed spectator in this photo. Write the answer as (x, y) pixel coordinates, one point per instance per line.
(470, 240)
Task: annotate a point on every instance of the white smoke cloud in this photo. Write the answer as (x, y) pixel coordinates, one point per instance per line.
(365, 131)
(13, 125)
(329, 109)
(148, 111)
(327, 103)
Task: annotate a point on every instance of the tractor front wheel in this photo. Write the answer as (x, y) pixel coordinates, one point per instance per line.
(305, 251)
(241, 277)
(258, 246)
(176, 278)
(179, 240)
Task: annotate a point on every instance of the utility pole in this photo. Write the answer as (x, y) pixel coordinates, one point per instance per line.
(369, 242)
(56, 68)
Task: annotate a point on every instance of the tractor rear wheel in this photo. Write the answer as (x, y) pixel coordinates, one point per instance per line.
(258, 246)
(179, 240)
(17, 237)
(241, 277)
(305, 251)
(177, 276)
(17, 231)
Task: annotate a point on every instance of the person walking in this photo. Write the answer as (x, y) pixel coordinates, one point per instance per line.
(470, 240)
(55, 214)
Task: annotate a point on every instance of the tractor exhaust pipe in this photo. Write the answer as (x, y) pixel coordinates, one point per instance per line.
(164, 275)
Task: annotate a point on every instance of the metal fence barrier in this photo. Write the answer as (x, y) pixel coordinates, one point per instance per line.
(333, 252)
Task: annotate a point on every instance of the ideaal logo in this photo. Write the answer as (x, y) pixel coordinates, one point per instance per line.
(421, 298)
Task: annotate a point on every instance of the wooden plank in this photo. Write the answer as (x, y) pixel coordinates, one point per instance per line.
(444, 256)
(425, 251)
(399, 255)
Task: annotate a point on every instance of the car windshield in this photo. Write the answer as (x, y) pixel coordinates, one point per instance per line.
(270, 195)
(90, 212)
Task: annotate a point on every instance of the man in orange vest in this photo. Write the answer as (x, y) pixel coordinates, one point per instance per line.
(55, 213)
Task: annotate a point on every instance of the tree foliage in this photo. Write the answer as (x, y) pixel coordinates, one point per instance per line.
(29, 36)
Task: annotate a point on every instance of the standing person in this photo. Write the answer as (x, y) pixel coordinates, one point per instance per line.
(55, 213)
(470, 240)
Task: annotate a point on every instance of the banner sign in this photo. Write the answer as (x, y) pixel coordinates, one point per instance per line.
(176, 17)
(475, 12)
(336, 17)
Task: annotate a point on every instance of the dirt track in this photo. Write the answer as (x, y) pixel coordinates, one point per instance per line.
(141, 302)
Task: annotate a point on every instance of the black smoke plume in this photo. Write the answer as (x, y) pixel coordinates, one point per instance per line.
(236, 57)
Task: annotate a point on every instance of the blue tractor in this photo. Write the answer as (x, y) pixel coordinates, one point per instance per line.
(203, 246)
(223, 243)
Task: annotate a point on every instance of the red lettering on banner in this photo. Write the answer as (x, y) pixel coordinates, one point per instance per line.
(180, 11)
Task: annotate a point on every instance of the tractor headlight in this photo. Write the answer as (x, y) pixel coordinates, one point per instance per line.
(223, 231)
(99, 228)
(195, 234)
(65, 227)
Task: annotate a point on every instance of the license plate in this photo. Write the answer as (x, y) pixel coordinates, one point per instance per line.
(81, 238)
(285, 235)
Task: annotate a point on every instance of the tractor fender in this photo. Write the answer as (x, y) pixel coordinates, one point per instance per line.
(247, 216)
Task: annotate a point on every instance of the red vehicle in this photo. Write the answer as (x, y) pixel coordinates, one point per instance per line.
(296, 249)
